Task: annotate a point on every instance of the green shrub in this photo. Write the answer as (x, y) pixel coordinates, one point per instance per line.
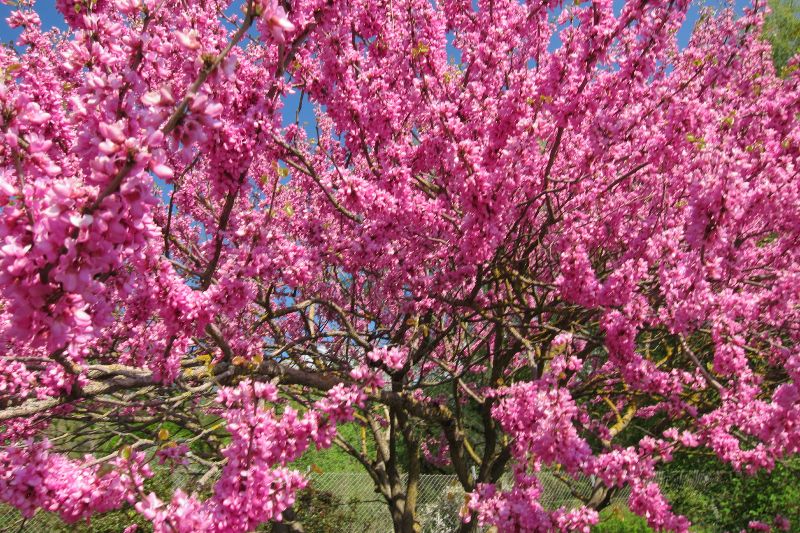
(728, 500)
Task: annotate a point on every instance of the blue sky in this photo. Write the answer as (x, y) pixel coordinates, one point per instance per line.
(50, 17)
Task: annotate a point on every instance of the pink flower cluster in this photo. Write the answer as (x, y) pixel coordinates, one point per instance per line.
(544, 421)
(173, 454)
(15, 380)
(256, 486)
(394, 357)
(519, 509)
(35, 478)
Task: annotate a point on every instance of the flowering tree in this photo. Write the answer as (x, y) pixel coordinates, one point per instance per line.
(514, 235)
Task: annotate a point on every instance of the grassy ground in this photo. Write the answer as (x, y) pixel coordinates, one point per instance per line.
(620, 520)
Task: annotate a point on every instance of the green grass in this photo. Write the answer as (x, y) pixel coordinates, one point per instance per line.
(620, 520)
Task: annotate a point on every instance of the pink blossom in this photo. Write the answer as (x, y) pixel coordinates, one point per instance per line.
(522, 228)
(394, 357)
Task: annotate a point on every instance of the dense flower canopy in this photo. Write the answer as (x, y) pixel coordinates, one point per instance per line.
(513, 233)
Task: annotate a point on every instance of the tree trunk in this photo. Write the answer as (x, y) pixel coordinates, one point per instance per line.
(410, 523)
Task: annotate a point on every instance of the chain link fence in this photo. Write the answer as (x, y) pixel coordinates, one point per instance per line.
(347, 502)
(441, 499)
